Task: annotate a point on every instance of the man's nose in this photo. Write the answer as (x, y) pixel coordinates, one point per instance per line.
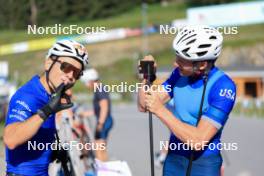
(70, 75)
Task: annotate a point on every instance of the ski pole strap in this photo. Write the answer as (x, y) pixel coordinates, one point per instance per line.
(189, 168)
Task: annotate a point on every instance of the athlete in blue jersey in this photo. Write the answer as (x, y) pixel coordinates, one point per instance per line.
(197, 48)
(30, 121)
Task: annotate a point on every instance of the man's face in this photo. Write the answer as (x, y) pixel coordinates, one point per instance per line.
(65, 70)
(185, 66)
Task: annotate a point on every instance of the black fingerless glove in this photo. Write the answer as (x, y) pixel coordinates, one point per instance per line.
(54, 105)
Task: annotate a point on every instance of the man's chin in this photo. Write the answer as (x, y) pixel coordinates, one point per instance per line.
(182, 73)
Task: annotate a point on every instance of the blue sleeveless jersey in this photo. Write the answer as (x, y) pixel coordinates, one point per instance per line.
(23, 159)
(187, 94)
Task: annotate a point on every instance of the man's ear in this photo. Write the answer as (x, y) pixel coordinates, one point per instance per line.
(48, 63)
(203, 65)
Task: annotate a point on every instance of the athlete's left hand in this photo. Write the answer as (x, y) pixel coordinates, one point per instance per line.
(153, 102)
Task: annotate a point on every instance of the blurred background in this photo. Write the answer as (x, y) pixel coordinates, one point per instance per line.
(132, 30)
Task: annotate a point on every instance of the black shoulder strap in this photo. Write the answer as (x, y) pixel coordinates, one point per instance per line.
(188, 173)
(202, 100)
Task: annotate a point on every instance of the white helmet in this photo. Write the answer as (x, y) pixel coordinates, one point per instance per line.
(198, 43)
(89, 75)
(70, 48)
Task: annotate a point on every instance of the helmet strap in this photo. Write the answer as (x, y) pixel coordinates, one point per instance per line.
(49, 83)
(195, 69)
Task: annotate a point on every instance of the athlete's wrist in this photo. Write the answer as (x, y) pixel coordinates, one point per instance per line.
(42, 115)
(45, 112)
(160, 111)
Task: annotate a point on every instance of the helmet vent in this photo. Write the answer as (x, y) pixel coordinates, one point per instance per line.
(65, 46)
(204, 46)
(181, 38)
(190, 42)
(69, 51)
(185, 52)
(212, 37)
(189, 37)
(79, 53)
(201, 53)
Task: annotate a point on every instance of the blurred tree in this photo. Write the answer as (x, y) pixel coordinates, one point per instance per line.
(113, 7)
(83, 9)
(52, 11)
(14, 14)
(151, 1)
(209, 2)
(4, 8)
(33, 12)
(18, 14)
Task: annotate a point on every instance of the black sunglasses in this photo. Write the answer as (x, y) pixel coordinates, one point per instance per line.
(67, 68)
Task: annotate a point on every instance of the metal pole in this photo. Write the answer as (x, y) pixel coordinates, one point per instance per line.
(144, 28)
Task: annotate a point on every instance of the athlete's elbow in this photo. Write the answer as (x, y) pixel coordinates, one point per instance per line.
(10, 144)
(8, 138)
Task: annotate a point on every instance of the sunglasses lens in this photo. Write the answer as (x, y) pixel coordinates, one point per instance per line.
(67, 68)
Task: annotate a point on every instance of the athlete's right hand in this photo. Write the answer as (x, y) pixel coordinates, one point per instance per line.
(145, 76)
(148, 58)
(55, 105)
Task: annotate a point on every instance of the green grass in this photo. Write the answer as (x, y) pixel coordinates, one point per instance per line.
(30, 63)
(157, 14)
(247, 35)
(27, 64)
